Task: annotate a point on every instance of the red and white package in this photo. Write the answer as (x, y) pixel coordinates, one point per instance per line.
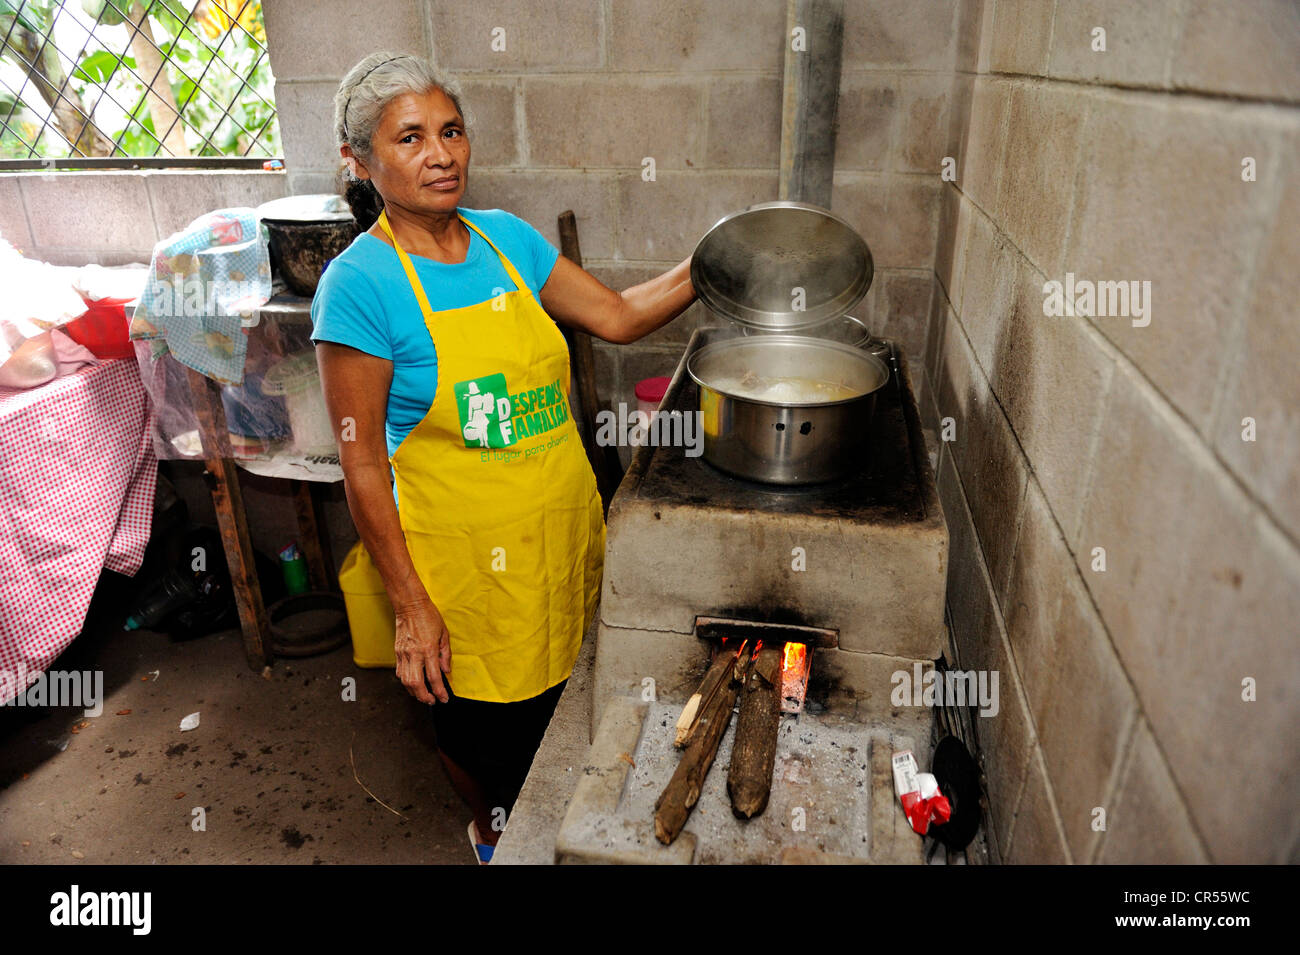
(923, 804)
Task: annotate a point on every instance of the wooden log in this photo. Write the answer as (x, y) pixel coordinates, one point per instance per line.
(674, 805)
(749, 778)
(710, 686)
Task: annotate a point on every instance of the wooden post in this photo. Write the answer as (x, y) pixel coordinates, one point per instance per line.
(604, 460)
(231, 518)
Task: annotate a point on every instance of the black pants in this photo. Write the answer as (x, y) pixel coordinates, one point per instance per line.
(494, 742)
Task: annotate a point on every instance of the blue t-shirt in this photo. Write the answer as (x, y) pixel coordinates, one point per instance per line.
(365, 300)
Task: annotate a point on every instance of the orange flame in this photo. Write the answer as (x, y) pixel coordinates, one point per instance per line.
(795, 654)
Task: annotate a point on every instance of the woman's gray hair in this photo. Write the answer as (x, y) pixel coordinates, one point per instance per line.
(374, 82)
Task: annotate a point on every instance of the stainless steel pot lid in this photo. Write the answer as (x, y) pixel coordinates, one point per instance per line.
(318, 207)
(751, 266)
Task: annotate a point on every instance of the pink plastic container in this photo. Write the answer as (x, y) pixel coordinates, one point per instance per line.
(649, 392)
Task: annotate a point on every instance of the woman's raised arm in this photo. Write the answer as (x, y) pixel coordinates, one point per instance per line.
(575, 297)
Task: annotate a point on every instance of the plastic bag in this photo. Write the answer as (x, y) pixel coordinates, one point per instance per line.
(923, 803)
(275, 418)
(201, 310)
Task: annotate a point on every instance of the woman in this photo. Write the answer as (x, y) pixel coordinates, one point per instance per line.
(439, 355)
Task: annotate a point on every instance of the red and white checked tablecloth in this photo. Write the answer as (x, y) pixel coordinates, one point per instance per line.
(77, 476)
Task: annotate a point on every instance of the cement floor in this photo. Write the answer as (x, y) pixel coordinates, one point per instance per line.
(269, 762)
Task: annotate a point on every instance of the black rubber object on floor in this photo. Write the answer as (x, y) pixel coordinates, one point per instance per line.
(958, 776)
(322, 636)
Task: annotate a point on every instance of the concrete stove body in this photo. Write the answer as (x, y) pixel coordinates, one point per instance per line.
(861, 561)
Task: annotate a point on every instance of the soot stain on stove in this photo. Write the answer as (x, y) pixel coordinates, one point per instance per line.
(768, 611)
(826, 686)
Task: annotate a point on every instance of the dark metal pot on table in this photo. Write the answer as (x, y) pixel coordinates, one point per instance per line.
(304, 233)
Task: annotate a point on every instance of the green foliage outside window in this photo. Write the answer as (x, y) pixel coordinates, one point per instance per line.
(165, 78)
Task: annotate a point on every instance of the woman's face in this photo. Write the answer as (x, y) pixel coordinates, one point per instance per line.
(419, 153)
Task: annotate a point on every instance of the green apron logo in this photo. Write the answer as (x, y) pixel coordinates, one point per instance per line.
(491, 417)
(484, 407)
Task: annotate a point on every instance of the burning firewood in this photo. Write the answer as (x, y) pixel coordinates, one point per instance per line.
(717, 676)
(675, 803)
(749, 778)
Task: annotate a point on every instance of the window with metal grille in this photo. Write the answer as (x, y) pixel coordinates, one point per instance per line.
(135, 82)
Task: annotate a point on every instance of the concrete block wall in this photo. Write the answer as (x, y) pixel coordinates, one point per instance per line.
(114, 218)
(1122, 690)
(585, 90)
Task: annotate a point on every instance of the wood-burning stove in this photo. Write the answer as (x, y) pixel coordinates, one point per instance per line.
(854, 570)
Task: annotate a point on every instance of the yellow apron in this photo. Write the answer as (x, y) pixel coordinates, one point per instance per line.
(496, 498)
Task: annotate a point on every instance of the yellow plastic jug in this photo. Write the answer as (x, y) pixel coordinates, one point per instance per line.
(370, 615)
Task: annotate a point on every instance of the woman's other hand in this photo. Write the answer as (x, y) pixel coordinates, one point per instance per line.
(423, 648)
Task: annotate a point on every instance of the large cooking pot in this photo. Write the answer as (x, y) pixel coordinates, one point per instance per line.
(786, 409)
(783, 402)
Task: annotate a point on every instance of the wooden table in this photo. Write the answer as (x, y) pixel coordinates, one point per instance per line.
(223, 482)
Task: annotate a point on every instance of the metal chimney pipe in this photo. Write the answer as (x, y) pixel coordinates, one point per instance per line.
(813, 50)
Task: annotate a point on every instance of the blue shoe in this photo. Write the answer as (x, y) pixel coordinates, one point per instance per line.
(482, 851)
